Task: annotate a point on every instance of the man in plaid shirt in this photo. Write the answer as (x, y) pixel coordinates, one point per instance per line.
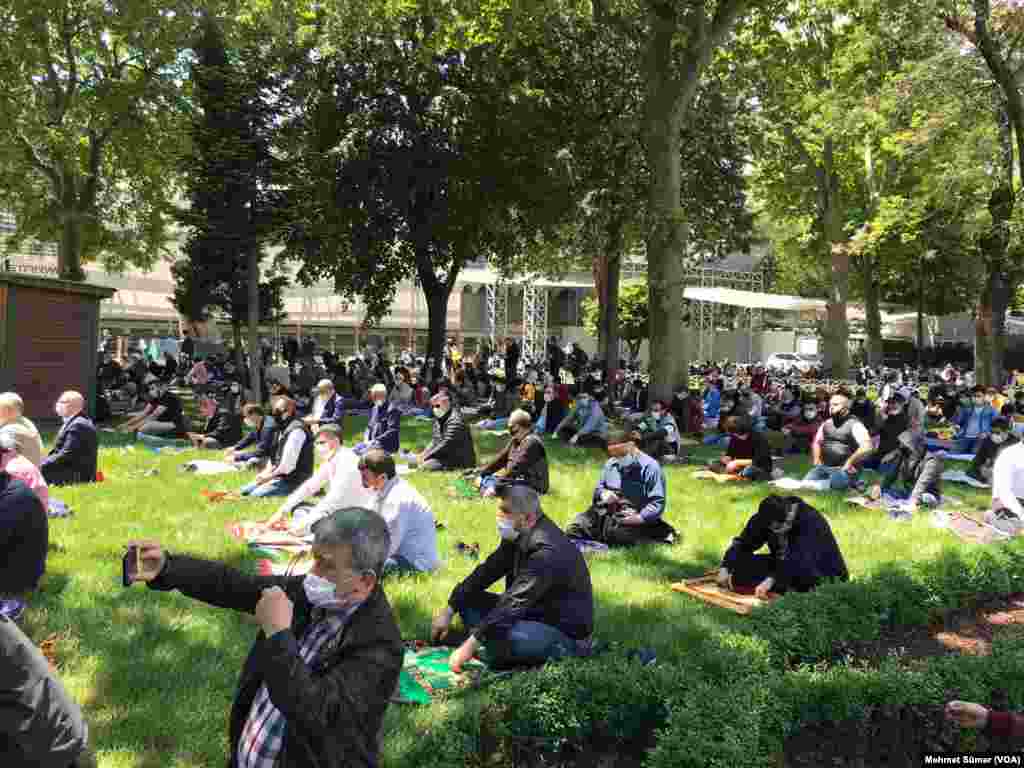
(315, 687)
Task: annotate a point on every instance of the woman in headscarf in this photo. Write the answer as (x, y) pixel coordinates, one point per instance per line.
(802, 552)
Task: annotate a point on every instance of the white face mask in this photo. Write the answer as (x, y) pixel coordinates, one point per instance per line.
(507, 530)
(656, 414)
(439, 412)
(809, 415)
(499, 387)
(323, 450)
(319, 591)
(548, 398)
(998, 439)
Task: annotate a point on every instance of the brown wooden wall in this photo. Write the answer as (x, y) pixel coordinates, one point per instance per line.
(51, 347)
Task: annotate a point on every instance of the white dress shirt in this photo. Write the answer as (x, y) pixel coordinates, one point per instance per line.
(344, 487)
(411, 523)
(1008, 478)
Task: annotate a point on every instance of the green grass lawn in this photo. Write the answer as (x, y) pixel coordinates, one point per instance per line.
(156, 673)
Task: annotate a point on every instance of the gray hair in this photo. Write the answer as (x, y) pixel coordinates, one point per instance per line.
(521, 417)
(13, 401)
(363, 530)
(520, 499)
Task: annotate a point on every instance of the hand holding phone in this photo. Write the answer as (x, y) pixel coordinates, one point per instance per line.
(143, 561)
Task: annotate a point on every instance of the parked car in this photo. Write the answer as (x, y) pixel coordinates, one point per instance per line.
(783, 362)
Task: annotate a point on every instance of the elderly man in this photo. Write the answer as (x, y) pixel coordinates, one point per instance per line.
(547, 608)
(523, 459)
(838, 449)
(409, 517)
(223, 428)
(629, 500)
(327, 406)
(12, 419)
(75, 453)
(452, 444)
(292, 462)
(339, 471)
(317, 682)
(385, 424)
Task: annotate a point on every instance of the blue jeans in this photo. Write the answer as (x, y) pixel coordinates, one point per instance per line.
(524, 643)
(276, 487)
(399, 566)
(717, 439)
(829, 478)
(155, 441)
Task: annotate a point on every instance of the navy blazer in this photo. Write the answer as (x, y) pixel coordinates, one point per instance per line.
(74, 455)
(384, 427)
(334, 411)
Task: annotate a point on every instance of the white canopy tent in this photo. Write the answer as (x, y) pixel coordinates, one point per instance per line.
(753, 299)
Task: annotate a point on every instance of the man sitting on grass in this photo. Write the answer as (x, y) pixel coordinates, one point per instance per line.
(911, 466)
(748, 454)
(452, 443)
(258, 446)
(658, 435)
(75, 452)
(293, 455)
(1007, 514)
(408, 515)
(989, 450)
(327, 406)
(318, 680)
(799, 433)
(12, 418)
(523, 459)
(163, 417)
(339, 471)
(24, 537)
(222, 428)
(547, 608)
(629, 500)
(384, 428)
(802, 550)
(586, 423)
(838, 448)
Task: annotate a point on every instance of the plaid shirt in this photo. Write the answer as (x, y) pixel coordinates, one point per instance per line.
(263, 734)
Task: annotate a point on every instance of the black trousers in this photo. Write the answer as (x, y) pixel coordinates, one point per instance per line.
(599, 523)
(596, 441)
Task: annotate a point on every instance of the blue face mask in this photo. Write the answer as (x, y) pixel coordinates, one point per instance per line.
(627, 461)
(507, 530)
(319, 591)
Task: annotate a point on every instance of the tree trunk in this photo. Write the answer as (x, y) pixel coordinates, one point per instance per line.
(610, 315)
(920, 312)
(437, 294)
(69, 254)
(255, 351)
(236, 332)
(990, 322)
(872, 315)
(599, 269)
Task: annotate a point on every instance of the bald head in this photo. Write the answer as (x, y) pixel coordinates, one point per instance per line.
(71, 403)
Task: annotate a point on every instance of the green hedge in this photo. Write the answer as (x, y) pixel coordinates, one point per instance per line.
(735, 698)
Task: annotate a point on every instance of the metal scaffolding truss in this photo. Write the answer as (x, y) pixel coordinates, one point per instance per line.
(497, 311)
(535, 322)
(709, 277)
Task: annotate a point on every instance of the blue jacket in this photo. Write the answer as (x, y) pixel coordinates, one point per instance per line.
(712, 402)
(385, 427)
(262, 440)
(591, 421)
(641, 482)
(74, 454)
(963, 418)
(334, 411)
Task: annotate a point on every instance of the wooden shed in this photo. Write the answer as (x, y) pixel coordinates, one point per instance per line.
(49, 336)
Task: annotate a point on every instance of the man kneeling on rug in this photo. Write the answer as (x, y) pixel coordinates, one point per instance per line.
(547, 609)
(629, 500)
(802, 550)
(911, 466)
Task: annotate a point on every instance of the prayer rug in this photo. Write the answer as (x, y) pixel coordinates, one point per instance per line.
(426, 674)
(218, 496)
(463, 489)
(959, 476)
(959, 457)
(57, 508)
(589, 547)
(706, 474)
(789, 484)
(206, 467)
(706, 588)
(973, 530)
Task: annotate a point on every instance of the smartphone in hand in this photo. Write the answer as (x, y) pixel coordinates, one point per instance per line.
(131, 566)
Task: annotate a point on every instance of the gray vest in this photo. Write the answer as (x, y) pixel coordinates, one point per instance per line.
(838, 443)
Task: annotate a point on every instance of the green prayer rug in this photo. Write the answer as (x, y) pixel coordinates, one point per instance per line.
(426, 673)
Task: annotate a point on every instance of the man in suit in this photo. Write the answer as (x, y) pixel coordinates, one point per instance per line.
(385, 422)
(327, 408)
(74, 454)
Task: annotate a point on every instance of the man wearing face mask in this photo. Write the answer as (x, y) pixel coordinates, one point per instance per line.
(523, 459)
(547, 608)
(75, 452)
(585, 424)
(973, 423)
(451, 446)
(163, 417)
(799, 433)
(989, 450)
(408, 515)
(552, 412)
(911, 466)
(893, 423)
(292, 463)
(258, 446)
(658, 435)
(629, 500)
(802, 550)
(840, 446)
(317, 682)
(384, 428)
(726, 409)
(339, 471)
(223, 427)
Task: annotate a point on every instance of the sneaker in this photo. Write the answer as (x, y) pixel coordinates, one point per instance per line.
(929, 500)
(1007, 522)
(12, 609)
(900, 515)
